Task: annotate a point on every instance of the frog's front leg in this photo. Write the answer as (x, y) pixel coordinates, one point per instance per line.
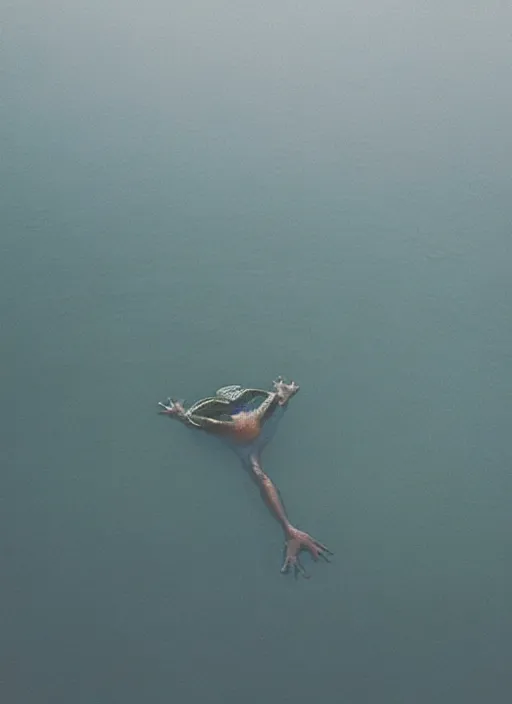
(284, 391)
(172, 408)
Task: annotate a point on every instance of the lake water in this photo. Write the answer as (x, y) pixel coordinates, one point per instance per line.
(199, 194)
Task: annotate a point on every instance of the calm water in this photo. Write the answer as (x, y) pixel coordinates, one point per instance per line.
(198, 194)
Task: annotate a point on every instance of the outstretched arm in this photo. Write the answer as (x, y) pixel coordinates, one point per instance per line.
(176, 409)
(296, 540)
(280, 396)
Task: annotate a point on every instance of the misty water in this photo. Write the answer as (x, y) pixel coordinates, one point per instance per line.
(198, 194)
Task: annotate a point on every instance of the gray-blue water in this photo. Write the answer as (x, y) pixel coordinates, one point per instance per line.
(197, 194)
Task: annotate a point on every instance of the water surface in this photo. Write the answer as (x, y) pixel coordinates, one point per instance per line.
(198, 195)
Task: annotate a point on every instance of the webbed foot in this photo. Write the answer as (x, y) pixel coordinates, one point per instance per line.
(296, 542)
